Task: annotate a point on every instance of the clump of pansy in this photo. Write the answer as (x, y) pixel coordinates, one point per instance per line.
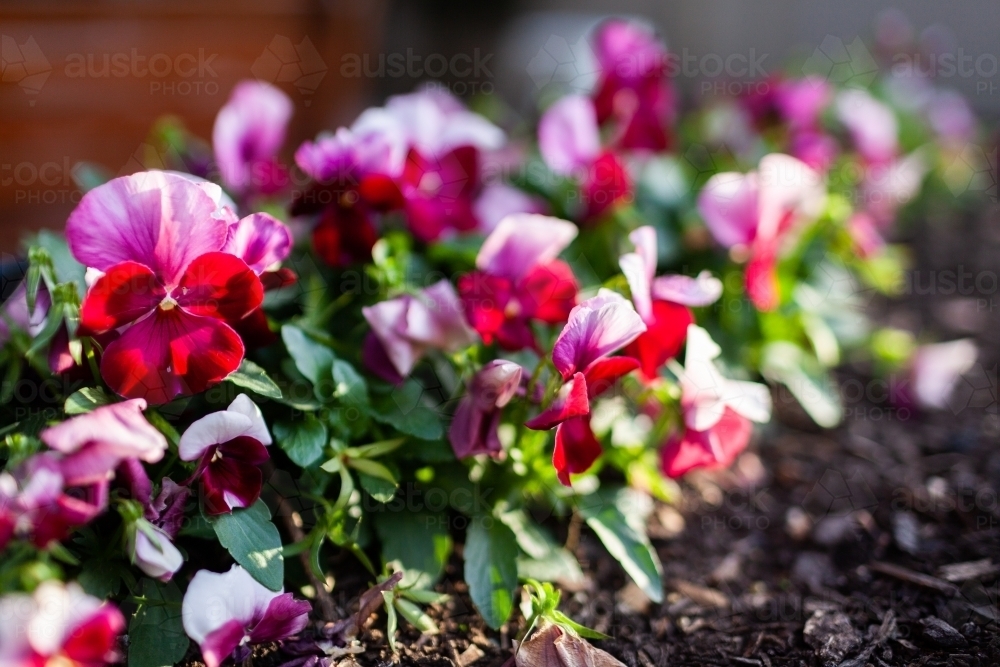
(236, 370)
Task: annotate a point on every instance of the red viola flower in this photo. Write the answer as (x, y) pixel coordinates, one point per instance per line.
(229, 446)
(167, 284)
(662, 303)
(519, 280)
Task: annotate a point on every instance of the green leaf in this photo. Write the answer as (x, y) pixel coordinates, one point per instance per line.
(253, 542)
(100, 576)
(373, 468)
(391, 620)
(303, 440)
(88, 175)
(375, 449)
(618, 516)
(557, 565)
(805, 378)
(156, 632)
(85, 400)
(254, 378)
(380, 489)
(416, 616)
(418, 541)
(348, 386)
(491, 568)
(314, 360)
(403, 409)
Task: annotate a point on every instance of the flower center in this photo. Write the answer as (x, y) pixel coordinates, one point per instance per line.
(217, 455)
(512, 309)
(168, 303)
(430, 183)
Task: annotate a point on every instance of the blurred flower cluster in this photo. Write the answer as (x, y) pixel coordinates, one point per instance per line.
(434, 326)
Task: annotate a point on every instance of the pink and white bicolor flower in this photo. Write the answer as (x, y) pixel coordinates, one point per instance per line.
(229, 445)
(153, 552)
(60, 625)
(477, 418)
(222, 612)
(663, 302)
(717, 411)
(93, 444)
(249, 131)
(758, 210)
(596, 328)
(405, 328)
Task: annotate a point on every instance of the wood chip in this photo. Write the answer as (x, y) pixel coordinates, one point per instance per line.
(973, 569)
(918, 578)
(701, 595)
(470, 655)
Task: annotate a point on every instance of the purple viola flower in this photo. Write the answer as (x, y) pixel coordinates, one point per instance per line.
(871, 124)
(405, 328)
(568, 136)
(229, 445)
(474, 429)
(151, 538)
(248, 134)
(223, 612)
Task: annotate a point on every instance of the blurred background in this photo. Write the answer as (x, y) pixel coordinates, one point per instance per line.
(85, 81)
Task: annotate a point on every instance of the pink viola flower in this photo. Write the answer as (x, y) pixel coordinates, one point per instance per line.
(662, 302)
(718, 412)
(224, 613)
(519, 280)
(760, 210)
(474, 428)
(229, 445)
(405, 328)
(249, 131)
(570, 144)
(165, 282)
(151, 546)
(37, 504)
(801, 102)
(435, 155)
(871, 124)
(58, 624)
(634, 91)
(596, 328)
(93, 444)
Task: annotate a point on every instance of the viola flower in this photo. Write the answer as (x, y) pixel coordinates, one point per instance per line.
(519, 280)
(717, 411)
(14, 313)
(662, 303)
(887, 187)
(801, 102)
(229, 445)
(570, 143)
(353, 174)
(165, 283)
(498, 200)
(760, 210)
(633, 89)
(229, 611)
(871, 124)
(93, 444)
(58, 624)
(474, 428)
(935, 370)
(249, 131)
(38, 505)
(435, 157)
(151, 538)
(405, 328)
(596, 328)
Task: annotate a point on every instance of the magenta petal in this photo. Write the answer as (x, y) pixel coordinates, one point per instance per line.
(220, 643)
(568, 136)
(115, 431)
(523, 241)
(703, 290)
(260, 240)
(230, 483)
(597, 327)
(285, 616)
(728, 204)
(249, 131)
(155, 218)
(576, 448)
(572, 401)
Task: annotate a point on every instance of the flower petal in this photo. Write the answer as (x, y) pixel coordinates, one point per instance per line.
(665, 334)
(155, 218)
(219, 285)
(386, 319)
(606, 183)
(548, 292)
(260, 240)
(728, 204)
(243, 405)
(522, 241)
(568, 136)
(703, 290)
(231, 483)
(212, 429)
(717, 447)
(604, 373)
(249, 129)
(171, 353)
(576, 448)
(597, 327)
(571, 401)
(122, 295)
(119, 429)
(285, 616)
(213, 600)
(221, 642)
(159, 559)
